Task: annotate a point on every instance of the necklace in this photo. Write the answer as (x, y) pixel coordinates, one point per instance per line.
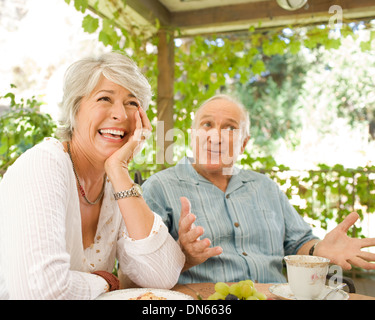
(79, 184)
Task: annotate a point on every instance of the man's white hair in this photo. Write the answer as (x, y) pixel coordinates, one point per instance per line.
(245, 125)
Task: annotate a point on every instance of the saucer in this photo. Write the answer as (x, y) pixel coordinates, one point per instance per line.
(282, 290)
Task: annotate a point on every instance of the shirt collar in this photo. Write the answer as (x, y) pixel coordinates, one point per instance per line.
(186, 172)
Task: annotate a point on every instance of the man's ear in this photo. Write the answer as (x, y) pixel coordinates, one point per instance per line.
(192, 136)
(244, 143)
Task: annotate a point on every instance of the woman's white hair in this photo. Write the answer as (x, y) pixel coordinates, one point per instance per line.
(82, 77)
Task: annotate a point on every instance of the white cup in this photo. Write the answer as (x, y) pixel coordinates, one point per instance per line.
(306, 275)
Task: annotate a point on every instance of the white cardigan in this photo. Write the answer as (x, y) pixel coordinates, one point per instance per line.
(41, 249)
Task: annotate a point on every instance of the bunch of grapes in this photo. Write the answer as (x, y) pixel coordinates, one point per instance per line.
(242, 290)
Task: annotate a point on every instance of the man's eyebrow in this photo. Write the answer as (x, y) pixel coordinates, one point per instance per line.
(232, 121)
(205, 117)
(229, 120)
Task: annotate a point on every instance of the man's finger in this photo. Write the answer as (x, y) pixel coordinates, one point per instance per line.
(208, 252)
(368, 256)
(367, 242)
(185, 207)
(201, 249)
(192, 235)
(186, 223)
(348, 221)
(361, 263)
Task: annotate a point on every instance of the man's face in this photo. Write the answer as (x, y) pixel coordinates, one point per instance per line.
(217, 138)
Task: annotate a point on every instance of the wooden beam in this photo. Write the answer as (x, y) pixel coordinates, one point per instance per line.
(127, 17)
(229, 18)
(151, 10)
(165, 97)
(263, 10)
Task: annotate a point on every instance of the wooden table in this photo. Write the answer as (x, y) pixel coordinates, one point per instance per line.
(206, 289)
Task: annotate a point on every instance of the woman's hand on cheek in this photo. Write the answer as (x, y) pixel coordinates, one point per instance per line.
(120, 159)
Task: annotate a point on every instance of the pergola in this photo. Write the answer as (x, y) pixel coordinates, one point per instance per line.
(200, 17)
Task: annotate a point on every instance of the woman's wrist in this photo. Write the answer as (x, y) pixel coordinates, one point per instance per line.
(116, 168)
(120, 178)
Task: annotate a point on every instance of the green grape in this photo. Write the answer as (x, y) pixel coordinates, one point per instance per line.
(216, 296)
(260, 295)
(246, 290)
(249, 282)
(242, 290)
(235, 289)
(222, 288)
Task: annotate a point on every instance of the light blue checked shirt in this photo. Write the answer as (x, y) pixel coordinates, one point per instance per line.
(252, 221)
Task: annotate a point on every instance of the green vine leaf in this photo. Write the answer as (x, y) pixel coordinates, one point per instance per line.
(258, 67)
(81, 5)
(90, 24)
(365, 46)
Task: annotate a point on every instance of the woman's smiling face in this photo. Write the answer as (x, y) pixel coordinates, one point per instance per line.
(106, 118)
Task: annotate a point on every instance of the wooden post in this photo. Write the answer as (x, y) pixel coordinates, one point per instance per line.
(165, 96)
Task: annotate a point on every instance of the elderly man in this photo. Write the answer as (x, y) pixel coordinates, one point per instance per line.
(248, 223)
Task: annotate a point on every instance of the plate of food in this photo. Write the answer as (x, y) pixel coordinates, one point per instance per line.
(144, 294)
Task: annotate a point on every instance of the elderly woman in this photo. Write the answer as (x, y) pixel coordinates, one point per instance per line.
(69, 208)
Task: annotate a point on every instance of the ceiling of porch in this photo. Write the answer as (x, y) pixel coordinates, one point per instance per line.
(192, 17)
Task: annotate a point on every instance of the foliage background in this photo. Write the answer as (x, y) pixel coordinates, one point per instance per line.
(22, 127)
(291, 79)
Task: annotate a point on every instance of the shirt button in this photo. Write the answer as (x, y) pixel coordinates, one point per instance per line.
(244, 253)
(227, 196)
(236, 224)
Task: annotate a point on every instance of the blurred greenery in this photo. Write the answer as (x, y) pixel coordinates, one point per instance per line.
(325, 194)
(22, 126)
